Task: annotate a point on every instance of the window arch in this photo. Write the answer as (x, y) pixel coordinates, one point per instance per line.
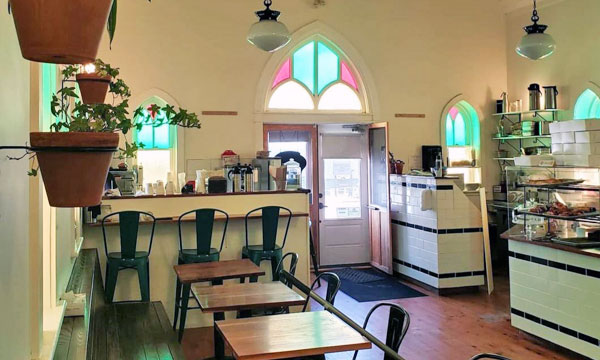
(587, 105)
(158, 156)
(316, 77)
(462, 126)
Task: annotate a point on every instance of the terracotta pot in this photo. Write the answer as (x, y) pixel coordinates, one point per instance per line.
(93, 87)
(60, 31)
(73, 178)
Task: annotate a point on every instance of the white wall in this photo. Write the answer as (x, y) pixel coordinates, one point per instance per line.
(14, 198)
(574, 25)
(420, 54)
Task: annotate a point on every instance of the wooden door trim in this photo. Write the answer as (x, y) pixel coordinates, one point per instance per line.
(387, 265)
(314, 139)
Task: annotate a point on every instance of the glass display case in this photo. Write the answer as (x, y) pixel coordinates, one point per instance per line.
(559, 204)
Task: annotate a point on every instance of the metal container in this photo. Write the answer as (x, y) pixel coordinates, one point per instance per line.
(248, 179)
(550, 93)
(535, 97)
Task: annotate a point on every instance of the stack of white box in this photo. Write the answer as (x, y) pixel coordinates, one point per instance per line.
(576, 142)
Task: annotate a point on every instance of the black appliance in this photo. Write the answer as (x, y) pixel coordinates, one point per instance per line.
(217, 185)
(428, 155)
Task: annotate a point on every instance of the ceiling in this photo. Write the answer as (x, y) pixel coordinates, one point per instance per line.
(509, 6)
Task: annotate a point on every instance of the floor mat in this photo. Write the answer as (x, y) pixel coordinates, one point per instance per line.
(382, 286)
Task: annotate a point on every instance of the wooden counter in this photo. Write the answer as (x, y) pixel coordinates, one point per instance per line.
(516, 234)
(280, 192)
(174, 220)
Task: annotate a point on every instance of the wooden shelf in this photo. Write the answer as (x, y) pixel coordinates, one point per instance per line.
(528, 112)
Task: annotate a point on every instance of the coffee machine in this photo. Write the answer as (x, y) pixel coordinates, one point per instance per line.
(125, 180)
(265, 180)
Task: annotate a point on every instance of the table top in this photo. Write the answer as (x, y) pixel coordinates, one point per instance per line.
(290, 335)
(216, 270)
(232, 297)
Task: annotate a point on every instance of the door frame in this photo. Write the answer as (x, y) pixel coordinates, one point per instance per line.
(386, 266)
(314, 139)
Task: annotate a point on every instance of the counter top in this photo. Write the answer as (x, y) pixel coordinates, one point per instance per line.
(131, 197)
(515, 234)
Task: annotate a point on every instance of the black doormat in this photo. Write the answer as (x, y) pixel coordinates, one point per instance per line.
(379, 286)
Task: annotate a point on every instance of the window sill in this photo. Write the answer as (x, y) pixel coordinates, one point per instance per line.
(52, 323)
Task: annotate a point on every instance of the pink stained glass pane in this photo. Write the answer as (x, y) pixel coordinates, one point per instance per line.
(283, 74)
(347, 76)
(453, 112)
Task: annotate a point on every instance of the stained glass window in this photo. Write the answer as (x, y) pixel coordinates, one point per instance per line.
(457, 129)
(154, 137)
(315, 74)
(587, 106)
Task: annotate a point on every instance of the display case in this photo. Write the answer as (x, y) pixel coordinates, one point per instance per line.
(556, 204)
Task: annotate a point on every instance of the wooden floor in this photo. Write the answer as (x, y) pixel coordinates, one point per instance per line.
(442, 327)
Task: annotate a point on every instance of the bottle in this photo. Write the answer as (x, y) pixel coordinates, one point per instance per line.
(439, 165)
(294, 175)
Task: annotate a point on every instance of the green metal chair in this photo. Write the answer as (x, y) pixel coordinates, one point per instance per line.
(128, 257)
(292, 270)
(268, 250)
(398, 323)
(333, 286)
(204, 221)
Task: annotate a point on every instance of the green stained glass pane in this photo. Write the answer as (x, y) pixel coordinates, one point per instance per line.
(460, 131)
(449, 131)
(304, 65)
(161, 137)
(144, 136)
(328, 66)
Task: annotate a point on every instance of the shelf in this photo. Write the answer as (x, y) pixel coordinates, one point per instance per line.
(527, 112)
(522, 137)
(504, 159)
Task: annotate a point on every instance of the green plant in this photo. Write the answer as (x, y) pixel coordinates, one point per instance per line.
(75, 116)
(111, 24)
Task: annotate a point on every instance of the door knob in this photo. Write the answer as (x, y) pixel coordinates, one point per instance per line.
(322, 206)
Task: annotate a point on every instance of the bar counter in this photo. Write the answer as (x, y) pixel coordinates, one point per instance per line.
(555, 292)
(165, 246)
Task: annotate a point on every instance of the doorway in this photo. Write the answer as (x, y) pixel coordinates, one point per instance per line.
(343, 196)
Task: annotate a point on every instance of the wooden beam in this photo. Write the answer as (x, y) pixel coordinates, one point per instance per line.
(219, 113)
(418, 116)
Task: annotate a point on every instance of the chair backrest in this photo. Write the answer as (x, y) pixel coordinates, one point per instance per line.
(292, 269)
(489, 356)
(333, 286)
(398, 323)
(204, 220)
(129, 223)
(270, 223)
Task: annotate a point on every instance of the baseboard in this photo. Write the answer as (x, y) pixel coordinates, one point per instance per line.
(343, 266)
(440, 292)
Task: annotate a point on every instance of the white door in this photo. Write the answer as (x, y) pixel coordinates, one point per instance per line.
(343, 197)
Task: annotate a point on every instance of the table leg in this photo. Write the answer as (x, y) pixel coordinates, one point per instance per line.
(219, 343)
(185, 298)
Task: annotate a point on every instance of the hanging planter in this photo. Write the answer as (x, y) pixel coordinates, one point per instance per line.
(60, 31)
(74, 165)
(75, 156)
(93, 87)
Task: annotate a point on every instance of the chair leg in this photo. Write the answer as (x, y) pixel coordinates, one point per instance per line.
(274, 263)
(177, 303)
(185, 299)
(256, 258)
(112, 272)
(144, 279)
(313, 255)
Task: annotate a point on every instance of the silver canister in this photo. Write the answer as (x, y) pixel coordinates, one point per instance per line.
(248, 179)
(535, 97)
(550, 93)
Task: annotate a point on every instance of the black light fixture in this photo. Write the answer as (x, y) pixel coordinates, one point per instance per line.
(536, 45)
(268, 34)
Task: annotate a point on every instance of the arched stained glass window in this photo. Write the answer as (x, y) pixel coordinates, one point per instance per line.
(456, 129)
(316, 76)
(587, 106)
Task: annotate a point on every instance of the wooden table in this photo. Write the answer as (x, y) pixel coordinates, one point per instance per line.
(290, 335)
(215, 272)
(243, 297)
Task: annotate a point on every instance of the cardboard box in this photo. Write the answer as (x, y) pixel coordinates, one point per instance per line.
(580, 125)
(586, 137)
(557, 149)
(531, 160)
(587, 149)
(568, 137)
(560, 159)
(569, 149)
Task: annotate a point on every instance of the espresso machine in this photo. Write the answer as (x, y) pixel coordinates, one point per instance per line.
(125, 181)
(261, 167)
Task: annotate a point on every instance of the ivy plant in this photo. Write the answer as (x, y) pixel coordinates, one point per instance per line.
(75, 116)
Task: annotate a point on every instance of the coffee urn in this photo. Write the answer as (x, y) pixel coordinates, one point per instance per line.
(535, 97)
(550, 93)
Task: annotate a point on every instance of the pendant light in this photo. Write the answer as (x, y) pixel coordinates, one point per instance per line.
(268, 34)
(536, 45)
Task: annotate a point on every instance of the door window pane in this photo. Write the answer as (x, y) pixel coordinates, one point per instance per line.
(378, 167)
(342, 188)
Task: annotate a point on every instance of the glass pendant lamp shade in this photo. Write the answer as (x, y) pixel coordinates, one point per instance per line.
(536, 45)
(268, 34)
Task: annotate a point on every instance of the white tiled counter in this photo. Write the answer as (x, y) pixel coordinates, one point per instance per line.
(437, 232)
(555, 292)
